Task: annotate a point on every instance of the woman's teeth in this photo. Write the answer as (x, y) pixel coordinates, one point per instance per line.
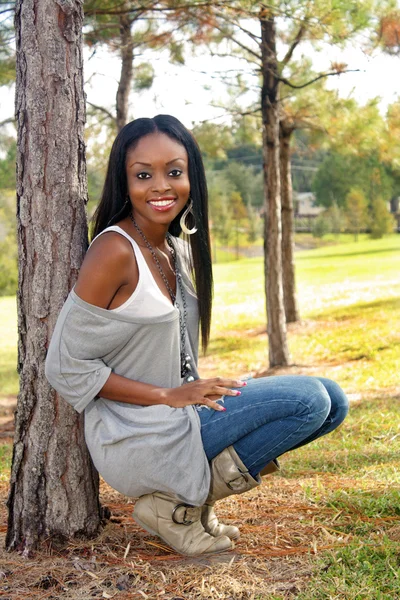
(161, 202)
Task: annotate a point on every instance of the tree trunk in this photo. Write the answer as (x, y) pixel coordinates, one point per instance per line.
(288, 269)
(278, 349)
(54, 487)
(125, 80)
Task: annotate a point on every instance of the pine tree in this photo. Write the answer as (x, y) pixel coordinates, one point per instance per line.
(54, 487)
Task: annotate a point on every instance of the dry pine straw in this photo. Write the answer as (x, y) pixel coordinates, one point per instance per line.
(281, 534)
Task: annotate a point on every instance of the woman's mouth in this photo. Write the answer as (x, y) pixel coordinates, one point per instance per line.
(162, 204)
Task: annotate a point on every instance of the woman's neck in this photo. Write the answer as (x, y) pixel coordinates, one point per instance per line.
(155, 235)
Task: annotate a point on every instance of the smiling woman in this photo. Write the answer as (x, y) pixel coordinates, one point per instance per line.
(117, 205)
(125, 350)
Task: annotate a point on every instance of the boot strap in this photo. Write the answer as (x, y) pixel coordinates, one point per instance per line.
(236, 485)
(186, 514)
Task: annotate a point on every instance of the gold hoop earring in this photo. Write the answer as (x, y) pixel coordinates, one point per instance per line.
(182, 221)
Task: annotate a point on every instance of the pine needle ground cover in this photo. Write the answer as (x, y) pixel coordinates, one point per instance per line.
(328, 525)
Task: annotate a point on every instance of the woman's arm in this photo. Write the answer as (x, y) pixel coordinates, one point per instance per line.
(196, 392)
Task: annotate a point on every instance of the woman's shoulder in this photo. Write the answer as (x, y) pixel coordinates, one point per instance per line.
(109, 250)
(112, 241)
(109, 263)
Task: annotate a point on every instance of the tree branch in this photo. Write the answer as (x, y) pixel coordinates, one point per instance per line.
(121, 9)
(299, 87)
(243, 46)
(236, 111)
(236, 41)
(103, 110)
(229, 74)
(253, 36)
(7, 121)
(153, 8)
(226, 55)
(295, 43)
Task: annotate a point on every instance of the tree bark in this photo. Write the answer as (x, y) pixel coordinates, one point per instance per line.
(125, 80)
(288, 268)
(276, 324)
(54, 487)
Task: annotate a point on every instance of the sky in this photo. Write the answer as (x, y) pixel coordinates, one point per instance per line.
(189, 92)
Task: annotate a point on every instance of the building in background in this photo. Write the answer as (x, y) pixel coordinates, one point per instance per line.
(305, 211)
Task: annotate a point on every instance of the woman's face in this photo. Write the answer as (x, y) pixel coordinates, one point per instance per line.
(158, 179)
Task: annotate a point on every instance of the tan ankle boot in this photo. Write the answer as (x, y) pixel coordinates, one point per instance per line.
(229, 475)
(177, 524)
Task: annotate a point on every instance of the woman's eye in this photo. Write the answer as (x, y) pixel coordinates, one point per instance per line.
(175, 172)
(143, 175)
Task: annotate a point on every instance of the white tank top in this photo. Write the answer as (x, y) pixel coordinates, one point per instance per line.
(147, 300)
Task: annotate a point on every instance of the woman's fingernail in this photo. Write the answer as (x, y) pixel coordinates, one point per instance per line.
(238, 393)
(244, 382)
(241, 383)
(222, 409)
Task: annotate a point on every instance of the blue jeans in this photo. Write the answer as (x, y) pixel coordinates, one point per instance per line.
(272, 416)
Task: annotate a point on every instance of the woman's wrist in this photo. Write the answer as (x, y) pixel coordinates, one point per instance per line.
(161, 396)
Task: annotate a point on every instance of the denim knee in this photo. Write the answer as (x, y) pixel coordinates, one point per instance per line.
(339, 400)
(316, 399)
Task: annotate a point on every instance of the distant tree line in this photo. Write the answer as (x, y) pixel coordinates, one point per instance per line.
(354, 188)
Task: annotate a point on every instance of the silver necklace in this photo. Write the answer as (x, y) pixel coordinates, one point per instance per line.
(186, 361)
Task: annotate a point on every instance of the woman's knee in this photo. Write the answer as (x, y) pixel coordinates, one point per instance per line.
(286, 396)
(317, 398)
(308, 397)
(339, 400)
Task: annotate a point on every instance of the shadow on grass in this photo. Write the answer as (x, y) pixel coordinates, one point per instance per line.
(221, 346)
(342, 255)
(348, 312)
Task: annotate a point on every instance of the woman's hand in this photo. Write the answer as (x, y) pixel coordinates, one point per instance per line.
(202, 391)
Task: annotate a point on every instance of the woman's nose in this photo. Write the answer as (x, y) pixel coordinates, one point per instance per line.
(160, 183)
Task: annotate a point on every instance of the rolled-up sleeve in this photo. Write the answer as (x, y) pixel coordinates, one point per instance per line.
(74, 367)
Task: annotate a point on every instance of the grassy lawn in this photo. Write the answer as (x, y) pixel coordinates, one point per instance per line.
(349, 299)
(328, 526)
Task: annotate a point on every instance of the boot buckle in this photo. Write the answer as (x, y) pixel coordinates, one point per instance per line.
(189, 515)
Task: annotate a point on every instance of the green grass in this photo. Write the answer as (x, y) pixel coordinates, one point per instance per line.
(329, 276)
(362, 570)
(5, 461)
(8, 347)
(349, 300)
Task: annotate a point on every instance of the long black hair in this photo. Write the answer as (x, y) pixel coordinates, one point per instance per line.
(113, 206)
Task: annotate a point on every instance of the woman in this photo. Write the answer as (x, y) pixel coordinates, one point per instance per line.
(124, 350)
